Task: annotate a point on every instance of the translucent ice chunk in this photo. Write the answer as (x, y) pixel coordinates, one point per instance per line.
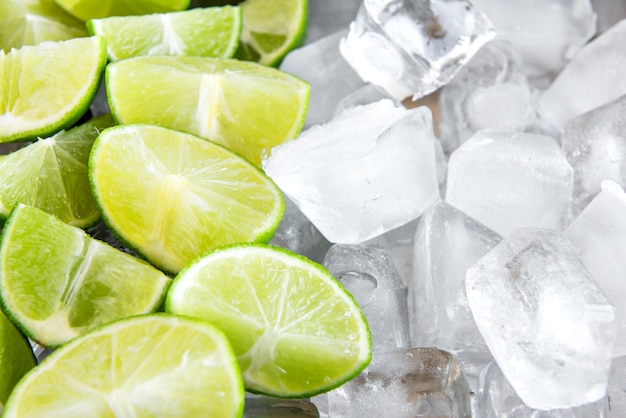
(367, 171)
(598, 235)
(547, 323)
(413, 47)
(595, 146)
(617, 388)
(466, 104)
(447, 243)
(497, 399)
(546, 33)
(417, 382)
(330, 76)
(593, 77)
(368, 273)
(329, 16)
(509, 180)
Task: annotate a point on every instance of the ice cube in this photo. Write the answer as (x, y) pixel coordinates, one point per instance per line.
(595, 146)
(509, 180)
(592, 78)
(546, 322)
(467, 103)
(368, 273)
(330, 76)
(609, 12)
(329, 16)
(447, 243)
(497, 399)
(367, 171)
(413, 47)
(598, 235)
(617, 388)
(546, 33)
(266, 407)
(416, 382)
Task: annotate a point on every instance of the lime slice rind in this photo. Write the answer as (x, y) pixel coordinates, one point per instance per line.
(97, 9)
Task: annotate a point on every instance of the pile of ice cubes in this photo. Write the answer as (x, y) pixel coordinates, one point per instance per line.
(462, 173)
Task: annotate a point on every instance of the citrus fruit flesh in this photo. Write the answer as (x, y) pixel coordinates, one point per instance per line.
(51, 174)
(48, 87)
(272, 28)
(207, 32)
(96, 9)
(172, 196)
(295, 330)
(56, 282)
(146, 366)
(247, 107)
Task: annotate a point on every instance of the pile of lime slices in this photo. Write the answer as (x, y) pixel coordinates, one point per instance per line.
(196, 307)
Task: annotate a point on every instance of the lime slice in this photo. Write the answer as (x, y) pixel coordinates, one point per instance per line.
(97, 9)
(48, 87)
(51, 174)
(35, 21)
(295, 330)
(146, 366)
(210, 32)
(272, 28)
(247, 107)
(56, 282)
(16, 357)
(172, 196)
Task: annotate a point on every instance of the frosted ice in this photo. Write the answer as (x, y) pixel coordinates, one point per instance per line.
(595, 76)
(413, 47)
(595, 146)
(447, 243)
(368, 273)
(497, 399)
(509, 180)
(417, 382)
(329, 16)
(546, 33)
(617, 388)
(298, 234)
(367, 171)
(598, 235)
(546, 322)
(330, 76)
(467, 102)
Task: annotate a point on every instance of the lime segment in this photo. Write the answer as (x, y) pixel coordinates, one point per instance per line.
(147, 366)
(172, 196)
(208, 32)
(96, 9)
(247, 107)
(56, 282)
(48, 87)
(51, 174)
(295, 330)
(272, 28)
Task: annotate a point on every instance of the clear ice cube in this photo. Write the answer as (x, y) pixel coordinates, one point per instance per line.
(594, 76)
(413, 47)
(367, 171)
(598, 235)
(416, 382)
(466, 103)
(329, 16)
(546, 322)
(509, 180)
(595, 146)
(616, 389)
(368, 273)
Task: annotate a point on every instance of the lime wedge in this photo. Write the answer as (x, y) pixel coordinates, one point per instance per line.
(142, 367)
(295, 330)
(48, 87)
(16, 357)
(247, 107)
(272, 28)
(35, 21)
(51, 174)
(56, 282)
(209, 32)
(172, 196)
(97, 9)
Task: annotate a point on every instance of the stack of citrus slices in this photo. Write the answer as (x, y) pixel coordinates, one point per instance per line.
(203, 308)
